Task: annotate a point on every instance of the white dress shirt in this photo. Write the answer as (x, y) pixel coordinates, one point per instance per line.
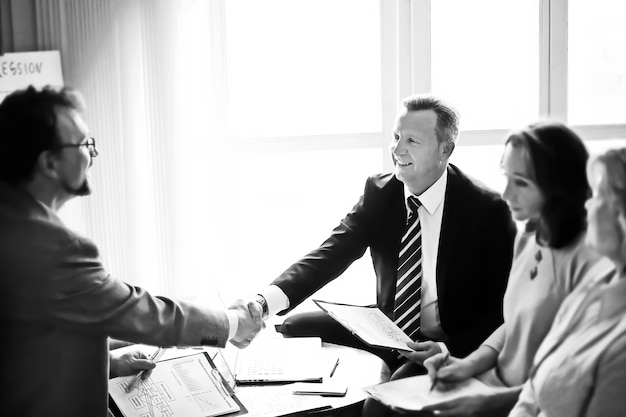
(430, 214)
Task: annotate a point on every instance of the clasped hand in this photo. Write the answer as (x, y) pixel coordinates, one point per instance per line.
(248, 327)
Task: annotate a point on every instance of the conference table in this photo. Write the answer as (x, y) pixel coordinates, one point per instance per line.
(359, 369)
(356, 369)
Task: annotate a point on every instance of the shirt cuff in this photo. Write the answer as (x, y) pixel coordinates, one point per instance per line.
(277, 300)
(233, 323)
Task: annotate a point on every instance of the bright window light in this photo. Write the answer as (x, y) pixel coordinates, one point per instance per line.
(303, 67)
(597, 62)
(277, 220)
(485, 60)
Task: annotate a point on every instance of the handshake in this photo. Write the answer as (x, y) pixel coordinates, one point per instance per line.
(249, 319)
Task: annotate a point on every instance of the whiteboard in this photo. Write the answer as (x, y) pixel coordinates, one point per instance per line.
(19, 70)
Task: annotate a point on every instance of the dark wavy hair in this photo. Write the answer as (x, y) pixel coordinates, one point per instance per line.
(557, 159)
(28, 126)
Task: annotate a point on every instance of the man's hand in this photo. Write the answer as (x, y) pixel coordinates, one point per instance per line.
(247, 328)
(131, 364)
(421, 351)
(256, 311)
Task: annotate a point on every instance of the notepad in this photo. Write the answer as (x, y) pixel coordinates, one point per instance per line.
(325, 389)
(276, 360)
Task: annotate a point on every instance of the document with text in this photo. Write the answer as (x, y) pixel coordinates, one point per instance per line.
(368, 323)
(413, 393)
(187, 386)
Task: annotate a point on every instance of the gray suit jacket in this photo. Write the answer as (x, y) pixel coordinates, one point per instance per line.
(60, 306)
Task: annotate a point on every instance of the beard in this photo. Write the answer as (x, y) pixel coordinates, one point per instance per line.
(82, 190)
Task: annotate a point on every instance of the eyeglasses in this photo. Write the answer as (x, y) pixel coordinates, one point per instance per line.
(90, 144)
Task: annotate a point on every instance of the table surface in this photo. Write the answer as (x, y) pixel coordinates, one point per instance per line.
(357, 369)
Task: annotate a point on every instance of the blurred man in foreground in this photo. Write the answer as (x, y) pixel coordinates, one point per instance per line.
(59, 303)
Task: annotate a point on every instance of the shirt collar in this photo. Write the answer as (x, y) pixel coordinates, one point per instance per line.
(432, 197)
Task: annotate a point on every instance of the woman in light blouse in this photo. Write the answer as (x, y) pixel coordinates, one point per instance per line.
(580, 368)
(545, 169)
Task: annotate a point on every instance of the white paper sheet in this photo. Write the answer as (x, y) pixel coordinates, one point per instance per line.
(186, 386)
(413, 393)
(368, 323)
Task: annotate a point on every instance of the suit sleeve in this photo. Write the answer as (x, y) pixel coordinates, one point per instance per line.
(347, 243)
(81, 294)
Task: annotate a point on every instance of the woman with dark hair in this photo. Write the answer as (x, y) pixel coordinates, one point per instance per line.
(545, 169)
(580, 368)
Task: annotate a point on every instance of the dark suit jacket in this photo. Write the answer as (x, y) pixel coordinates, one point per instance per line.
(474, 257)
(58, 307)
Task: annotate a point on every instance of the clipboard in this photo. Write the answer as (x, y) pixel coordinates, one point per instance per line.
(189, 386)
(368, 323)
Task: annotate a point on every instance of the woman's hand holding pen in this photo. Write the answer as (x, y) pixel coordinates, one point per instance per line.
(447, 370)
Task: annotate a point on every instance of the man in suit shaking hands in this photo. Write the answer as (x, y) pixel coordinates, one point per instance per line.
(59, 303)
(466, 249)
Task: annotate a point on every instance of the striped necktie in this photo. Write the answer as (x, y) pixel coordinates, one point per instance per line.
(409, 279)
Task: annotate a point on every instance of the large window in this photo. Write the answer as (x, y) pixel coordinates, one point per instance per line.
(313, 87)
(241, 146)
(596, 62)
(303, 67)
(485, 59)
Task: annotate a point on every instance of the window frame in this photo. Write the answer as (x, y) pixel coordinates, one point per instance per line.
(406, 41)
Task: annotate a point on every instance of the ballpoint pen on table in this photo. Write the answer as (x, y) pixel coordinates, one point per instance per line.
(334, 368)
(133, 381)
(441, 365)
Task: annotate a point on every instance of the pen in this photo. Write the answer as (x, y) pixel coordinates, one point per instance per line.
(441, 365)
(334, 368)
(132, 382)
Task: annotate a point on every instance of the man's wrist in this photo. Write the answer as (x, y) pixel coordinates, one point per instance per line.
(263, 303)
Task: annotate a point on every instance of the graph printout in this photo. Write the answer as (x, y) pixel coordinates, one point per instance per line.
(187, 386)
(368, 323)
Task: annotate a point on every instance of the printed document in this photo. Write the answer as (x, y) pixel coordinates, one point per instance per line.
(368, 323)
(187, 386)
(413, 393)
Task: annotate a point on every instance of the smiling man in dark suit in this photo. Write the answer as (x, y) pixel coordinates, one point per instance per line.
(464, 235)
